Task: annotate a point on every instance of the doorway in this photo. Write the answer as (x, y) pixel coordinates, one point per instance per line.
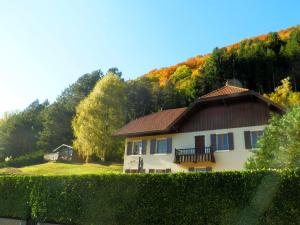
(200, 144)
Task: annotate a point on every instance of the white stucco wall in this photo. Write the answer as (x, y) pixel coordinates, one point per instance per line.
(225, 160)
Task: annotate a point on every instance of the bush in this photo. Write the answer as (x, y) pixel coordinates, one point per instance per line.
(228, 198)
(14, 197)
(25, 160)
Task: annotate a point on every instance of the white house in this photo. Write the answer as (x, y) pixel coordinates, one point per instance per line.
(219, 131)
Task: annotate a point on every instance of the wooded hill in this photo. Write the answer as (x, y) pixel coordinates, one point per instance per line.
(197, 63)
(260, 63)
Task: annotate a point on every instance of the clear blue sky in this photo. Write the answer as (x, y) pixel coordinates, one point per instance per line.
(47, 45)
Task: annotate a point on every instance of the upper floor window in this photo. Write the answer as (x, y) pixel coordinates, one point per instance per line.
(251, 138)
(161, 146)
(255, 136)
(222, 142)
(137, 148)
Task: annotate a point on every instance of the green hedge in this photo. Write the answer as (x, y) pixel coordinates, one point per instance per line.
(25, 160)
(228, 198)
(15, 196)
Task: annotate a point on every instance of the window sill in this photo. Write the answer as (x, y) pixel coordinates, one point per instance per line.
(161, 154)
(223, 150)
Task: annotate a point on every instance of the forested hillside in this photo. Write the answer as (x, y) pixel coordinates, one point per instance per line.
(260, 63)
(269, 49)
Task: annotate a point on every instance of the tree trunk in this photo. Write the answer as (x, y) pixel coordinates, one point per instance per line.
(88, 159)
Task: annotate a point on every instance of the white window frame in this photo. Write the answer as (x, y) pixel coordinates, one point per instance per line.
(251, 139)
(222, 150)
(133, 150)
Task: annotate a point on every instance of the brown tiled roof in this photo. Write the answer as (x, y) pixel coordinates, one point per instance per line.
(226, 90)
(162, 122)
(156, 122)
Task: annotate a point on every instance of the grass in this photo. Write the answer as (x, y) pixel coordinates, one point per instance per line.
(56, 168)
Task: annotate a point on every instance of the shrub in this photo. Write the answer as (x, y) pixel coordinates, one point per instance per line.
(228, 198)
(25, 160)
(14, 196)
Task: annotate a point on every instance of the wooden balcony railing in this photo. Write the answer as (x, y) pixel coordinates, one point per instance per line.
(194, 155)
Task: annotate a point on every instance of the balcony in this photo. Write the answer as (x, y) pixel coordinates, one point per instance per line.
(194, 155)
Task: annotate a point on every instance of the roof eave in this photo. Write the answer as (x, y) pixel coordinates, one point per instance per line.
(145, 133)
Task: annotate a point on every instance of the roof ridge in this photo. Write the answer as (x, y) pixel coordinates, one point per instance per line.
(222, 88)
(236, 87)
(213, 91)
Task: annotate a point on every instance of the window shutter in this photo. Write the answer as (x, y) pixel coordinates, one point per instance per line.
(129, 148)
(169, 145)
(247, 139)
(230, 141)
(152, 146)
(213, 142)
(144, 147)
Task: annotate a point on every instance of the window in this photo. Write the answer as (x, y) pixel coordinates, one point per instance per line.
(255, 136)
(134, 171)
(159, 170)
(137, 148)
(222, 142)
(151, 170)
(200, 169)
(162, 146)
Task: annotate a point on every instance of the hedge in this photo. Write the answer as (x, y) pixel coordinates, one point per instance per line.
(225, 198)
(25, 160)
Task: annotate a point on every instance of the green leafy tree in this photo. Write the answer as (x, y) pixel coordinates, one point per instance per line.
(183, 82)
(98, 116)
(19, 131)
(292, 53)
(181, 73)
(138, 98)
(279, 147)
(57, 117)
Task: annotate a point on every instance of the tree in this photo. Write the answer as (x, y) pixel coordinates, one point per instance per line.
(98, 116)
(19, 131)
(279, 147)
(284, 95)
(115, 71)
(292, 52)
(181, 73)
(57, 117)
(138, 98)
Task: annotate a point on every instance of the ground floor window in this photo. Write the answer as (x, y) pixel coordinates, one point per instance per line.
(134, 171)
(159, 170)
(200, 169)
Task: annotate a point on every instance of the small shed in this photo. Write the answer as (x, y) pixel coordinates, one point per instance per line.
(61, 153)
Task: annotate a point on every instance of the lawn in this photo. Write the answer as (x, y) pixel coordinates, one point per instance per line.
(55, 168)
